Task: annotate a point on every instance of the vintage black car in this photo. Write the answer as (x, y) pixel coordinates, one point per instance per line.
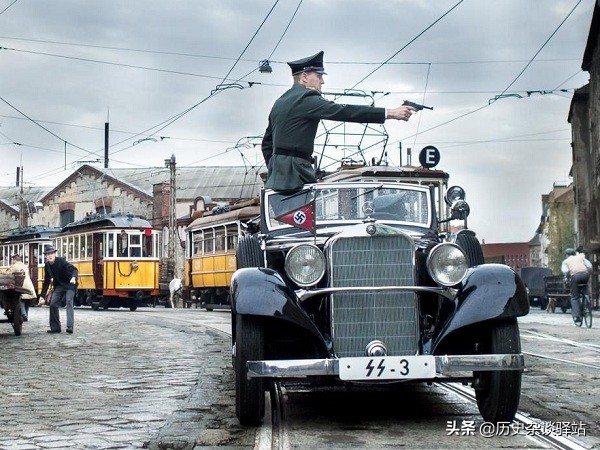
(370, 286)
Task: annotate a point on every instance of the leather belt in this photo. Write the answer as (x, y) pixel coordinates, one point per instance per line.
(294, 153)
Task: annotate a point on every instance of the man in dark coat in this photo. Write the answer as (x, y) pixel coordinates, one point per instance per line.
(288, 142)
(63, 275)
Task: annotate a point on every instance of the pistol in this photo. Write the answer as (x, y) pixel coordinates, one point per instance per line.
(417, 106)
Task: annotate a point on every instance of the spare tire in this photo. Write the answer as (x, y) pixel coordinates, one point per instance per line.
(467, 240)
(249, 253)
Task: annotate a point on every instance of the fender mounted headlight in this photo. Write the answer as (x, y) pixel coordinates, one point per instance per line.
(305, 265)
(447, 264)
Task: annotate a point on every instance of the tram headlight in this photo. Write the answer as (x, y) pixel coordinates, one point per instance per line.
(305, 264)
(447, 264)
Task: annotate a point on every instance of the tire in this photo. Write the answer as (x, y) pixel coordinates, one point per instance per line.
(498, 392)
(95, 306)
(249, 253)
(249, 393)
(132, 308)
(17, 320)
(587, 311)
(467, 240)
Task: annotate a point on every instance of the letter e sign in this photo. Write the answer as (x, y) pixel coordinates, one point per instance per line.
(429, 157)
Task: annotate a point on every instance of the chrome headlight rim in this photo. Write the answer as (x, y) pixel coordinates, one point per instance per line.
(454, 193)
(298, 258)
(440, 260)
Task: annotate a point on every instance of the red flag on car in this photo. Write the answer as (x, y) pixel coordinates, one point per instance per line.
(301, 217)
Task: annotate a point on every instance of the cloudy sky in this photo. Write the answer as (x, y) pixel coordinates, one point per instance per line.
(181, 77)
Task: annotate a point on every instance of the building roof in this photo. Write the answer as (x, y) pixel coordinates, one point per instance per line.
(219, 183)
(10, 195)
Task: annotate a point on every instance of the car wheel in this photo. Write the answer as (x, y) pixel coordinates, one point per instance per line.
(249, 393)
(498, 392)
(249, 253)
(467, 240)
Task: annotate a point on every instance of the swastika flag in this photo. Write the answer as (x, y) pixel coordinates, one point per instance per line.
(301, 217)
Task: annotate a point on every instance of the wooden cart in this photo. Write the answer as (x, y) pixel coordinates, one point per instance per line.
(11, 288)
(558, 293)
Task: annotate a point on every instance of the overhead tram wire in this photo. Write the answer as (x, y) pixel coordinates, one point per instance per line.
(505, 90)
(4, 10)
(401, 49)
(42, 127)
(407, 44)
(164, 124)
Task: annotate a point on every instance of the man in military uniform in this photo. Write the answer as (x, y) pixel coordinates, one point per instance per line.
(288, 142)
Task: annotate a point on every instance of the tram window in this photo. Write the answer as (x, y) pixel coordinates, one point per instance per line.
(135, 245)
(219, 242)
(197, 240)
(232, 241)
(209, 245)
(89, 246)
(122, 243)
(147, 247)
(76, 247)
(110, 250)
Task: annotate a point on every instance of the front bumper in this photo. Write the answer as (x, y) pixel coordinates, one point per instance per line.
(445, 366)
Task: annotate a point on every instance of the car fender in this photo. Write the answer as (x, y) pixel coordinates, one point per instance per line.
(489, 291)
(259, 291)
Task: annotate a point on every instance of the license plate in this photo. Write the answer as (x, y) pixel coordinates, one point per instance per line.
(387, 368)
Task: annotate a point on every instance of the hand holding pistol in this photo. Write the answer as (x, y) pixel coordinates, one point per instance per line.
(417, 106)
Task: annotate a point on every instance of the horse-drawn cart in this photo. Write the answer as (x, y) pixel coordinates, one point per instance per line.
(11, 288)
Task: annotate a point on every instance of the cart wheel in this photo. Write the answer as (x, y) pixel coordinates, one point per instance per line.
(17, 320)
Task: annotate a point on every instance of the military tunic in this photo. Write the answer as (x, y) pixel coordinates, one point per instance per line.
(288, 142)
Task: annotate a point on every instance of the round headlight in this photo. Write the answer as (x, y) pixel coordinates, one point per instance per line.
(447, 264)
(305, 264)
(453, 194)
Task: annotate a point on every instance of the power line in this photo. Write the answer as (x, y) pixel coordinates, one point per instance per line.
(407, 44)
(4, 10)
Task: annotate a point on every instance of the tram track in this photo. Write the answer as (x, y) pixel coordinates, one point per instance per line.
(274, 433)
(552, 439)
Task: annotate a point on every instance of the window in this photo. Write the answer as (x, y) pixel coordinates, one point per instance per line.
(67, 216)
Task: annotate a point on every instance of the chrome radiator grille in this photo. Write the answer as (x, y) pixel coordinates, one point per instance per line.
(361, 317)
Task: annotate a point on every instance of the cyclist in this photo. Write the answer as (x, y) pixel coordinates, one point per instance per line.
(578, 268)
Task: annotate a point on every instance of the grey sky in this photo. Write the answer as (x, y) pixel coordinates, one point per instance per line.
(71, 65)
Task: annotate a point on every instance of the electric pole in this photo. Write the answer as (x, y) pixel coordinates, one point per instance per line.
(171, 164)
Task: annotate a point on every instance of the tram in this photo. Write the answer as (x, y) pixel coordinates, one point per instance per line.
(210, 255)
(117, 257)
(29, 243)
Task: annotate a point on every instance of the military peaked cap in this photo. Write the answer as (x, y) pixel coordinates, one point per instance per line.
(312, 63)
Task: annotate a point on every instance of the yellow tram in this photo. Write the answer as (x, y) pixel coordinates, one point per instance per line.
(210, 260)
(29, 243)
(118, 259)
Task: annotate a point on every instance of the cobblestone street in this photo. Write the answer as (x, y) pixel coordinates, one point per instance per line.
(124, 379)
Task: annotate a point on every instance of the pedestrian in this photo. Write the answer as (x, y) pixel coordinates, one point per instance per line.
(17, 265)
(578, 269)
(63, 275)
(287, 145)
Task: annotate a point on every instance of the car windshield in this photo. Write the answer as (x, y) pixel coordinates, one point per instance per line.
(354, 203)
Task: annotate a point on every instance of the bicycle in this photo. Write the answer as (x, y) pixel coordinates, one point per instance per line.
(585, 306)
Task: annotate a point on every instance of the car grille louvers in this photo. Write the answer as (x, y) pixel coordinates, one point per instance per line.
(361, 317)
